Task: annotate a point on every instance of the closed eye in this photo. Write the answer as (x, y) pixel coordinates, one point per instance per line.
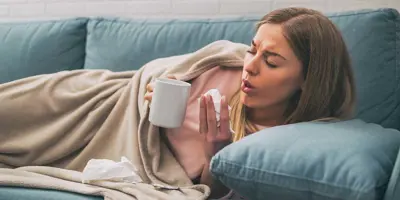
(265, 60)
(251, 52)
(270, 65)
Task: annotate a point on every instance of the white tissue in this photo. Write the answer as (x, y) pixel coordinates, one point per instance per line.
(103, 169)
(216, 96)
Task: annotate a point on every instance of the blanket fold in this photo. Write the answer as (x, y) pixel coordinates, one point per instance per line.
(51, 125)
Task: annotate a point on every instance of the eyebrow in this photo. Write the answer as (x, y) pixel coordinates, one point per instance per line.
(267, 53)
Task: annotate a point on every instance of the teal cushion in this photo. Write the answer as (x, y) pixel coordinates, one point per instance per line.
(373, 40)
(18, 193)
(32, 48)
(119, 45)
(349, 160)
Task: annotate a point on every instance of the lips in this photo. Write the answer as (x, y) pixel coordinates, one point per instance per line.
(247, 87)
(246, 83)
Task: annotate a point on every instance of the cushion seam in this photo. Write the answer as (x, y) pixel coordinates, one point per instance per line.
(225, 20)
(290, 176)
(40, 22)
(299, 190)
(359, 12)
(394, 180)
(176, 22)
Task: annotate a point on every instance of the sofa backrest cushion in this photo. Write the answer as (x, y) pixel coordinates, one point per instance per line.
(32, 48)
(373, 40)
(128, 44)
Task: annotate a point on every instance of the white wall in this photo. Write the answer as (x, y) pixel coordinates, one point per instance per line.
(38, 9)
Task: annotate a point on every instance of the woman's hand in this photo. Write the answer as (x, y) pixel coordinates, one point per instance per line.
(150, 88)
(215, 137)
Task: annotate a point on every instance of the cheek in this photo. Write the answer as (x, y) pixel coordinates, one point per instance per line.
(280, 86)
(277, 86)
(290, 86)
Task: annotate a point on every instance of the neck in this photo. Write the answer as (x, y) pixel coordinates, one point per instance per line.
(268, 117)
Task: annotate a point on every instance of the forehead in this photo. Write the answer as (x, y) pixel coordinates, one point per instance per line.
(270, 37)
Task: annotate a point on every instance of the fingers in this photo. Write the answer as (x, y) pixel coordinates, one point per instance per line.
(224, 118)
(150, 87)
(170, 76)
(203, 116)
(211, 119)
(148, 96)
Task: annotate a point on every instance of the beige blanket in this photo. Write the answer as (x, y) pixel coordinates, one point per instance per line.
(54, 124)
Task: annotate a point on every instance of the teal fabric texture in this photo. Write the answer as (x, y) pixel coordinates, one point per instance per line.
(120, 45)
(373, 40)
(16, 193)
(348, 160)
(33, 48)
(393, 188)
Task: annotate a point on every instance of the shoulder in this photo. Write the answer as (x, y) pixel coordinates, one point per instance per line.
(226, 79)
(219, 74)
(218, 71)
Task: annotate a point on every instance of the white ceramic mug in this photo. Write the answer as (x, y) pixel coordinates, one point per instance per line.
(168, 106)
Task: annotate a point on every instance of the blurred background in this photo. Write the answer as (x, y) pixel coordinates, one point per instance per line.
(45, 9)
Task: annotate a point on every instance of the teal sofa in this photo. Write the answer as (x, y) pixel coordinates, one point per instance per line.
(32, 48)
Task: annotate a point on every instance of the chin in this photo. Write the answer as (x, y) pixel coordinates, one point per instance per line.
(248, 101)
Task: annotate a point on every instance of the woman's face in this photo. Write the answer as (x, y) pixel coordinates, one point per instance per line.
(271, 73)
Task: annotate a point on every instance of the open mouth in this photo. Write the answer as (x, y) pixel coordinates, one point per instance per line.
(247, 87)
(247, 84)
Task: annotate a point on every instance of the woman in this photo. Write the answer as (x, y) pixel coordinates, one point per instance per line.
(297, 69)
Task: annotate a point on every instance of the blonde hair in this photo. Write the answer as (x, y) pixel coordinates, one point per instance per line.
(329, 91)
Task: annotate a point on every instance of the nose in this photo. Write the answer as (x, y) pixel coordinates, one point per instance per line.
(252, 66)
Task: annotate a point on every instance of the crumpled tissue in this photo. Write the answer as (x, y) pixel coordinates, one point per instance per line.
(216, 96)
(103, 169)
